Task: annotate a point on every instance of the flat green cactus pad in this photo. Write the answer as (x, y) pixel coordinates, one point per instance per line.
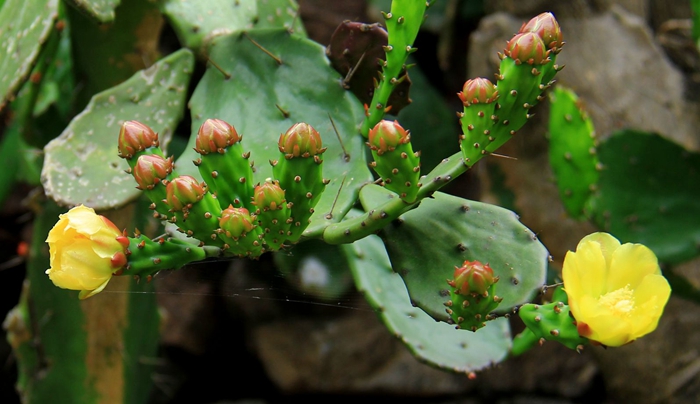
(426, 244)
(262, 98)
(648, 193)
(572, 152)
(435, 343)
(24, 27)
(82, 165)
(194, 22)
(100, 10)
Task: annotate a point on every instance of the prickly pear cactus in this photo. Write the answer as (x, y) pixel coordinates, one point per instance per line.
(572, 151)
(266, 81)
(81, 165)
(435, 343)
(448, 230)
(648, 192)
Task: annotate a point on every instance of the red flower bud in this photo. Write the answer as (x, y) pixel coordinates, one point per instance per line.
(236, 222)
(268, 196)
(150, 169)
(214, 136)
(473, 277)
(386, 136)
(478, 91)
(301, 140)
(547, 27)
(182, 191)
(135, 137)
(528, 48)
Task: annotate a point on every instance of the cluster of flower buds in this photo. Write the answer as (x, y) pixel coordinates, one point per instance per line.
(472, 296)
(227, 210)
(494, 112)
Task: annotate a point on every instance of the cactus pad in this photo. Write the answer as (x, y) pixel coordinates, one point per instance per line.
(424, 245)
(435, 343)
(648, 193)
(25, 27)
(572, 150)
(82, 166)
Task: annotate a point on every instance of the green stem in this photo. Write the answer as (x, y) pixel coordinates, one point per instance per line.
(375, 219)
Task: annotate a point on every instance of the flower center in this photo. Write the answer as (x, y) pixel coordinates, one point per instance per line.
(620, 302)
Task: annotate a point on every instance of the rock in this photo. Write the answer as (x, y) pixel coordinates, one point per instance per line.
(662, 367)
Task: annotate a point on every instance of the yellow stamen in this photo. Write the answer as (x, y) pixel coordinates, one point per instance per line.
(619, 301)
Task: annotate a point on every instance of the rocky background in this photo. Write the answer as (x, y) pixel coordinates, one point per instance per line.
(239, 332)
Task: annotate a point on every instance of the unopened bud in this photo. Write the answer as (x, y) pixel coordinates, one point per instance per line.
(386, 136)
(182, 191)
(236, 222)
(547, 27)
(473, 277)
(150, 169)
(214, 136)
(528, 48)
(135, 137)
(478, 91)
(268, 196)
(301, 140)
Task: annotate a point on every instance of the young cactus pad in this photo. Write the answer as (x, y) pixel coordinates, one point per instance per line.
(435, 343)
(572, 150)
(262, 98)
(448, 230)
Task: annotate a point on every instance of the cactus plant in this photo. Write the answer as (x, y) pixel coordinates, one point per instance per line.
(220, 198)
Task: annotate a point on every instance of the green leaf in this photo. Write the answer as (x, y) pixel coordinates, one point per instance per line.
(99, 10)
(648, 193)
(572, 152)
(426, 244)
(249, 91)
(24, 27)
(436, 343)
(82, 166)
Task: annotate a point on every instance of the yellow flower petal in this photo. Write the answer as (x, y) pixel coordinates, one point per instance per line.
(585, 270)
(630, 264)
(608, 244)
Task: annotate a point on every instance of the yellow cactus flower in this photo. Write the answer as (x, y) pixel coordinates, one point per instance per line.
(85, 249)
(616, 292)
